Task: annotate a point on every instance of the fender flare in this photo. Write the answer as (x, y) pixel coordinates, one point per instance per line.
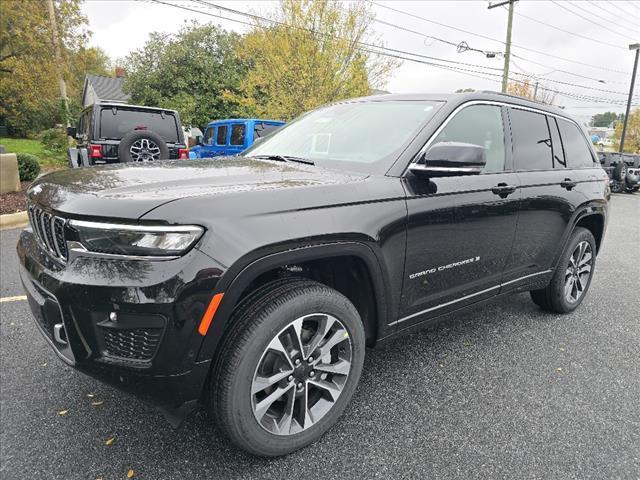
(234, 284)
(584, 211)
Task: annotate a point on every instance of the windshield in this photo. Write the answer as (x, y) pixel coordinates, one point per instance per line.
(361, 136)
(116, 125)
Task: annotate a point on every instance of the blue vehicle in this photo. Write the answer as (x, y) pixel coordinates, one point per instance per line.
(232, 136)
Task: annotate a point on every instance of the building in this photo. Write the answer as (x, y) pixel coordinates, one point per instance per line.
(104, 89)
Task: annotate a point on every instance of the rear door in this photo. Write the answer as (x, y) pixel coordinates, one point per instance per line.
(550, 195)
(237, 138)
(221, 140)
(460, 229)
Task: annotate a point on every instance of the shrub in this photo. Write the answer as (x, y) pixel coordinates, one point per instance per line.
(28, 166)
(54, 140)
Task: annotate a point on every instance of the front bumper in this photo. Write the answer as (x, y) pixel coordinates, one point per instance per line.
(151, 348)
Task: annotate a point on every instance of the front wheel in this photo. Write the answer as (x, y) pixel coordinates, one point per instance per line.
(573, 275)
(288, 367)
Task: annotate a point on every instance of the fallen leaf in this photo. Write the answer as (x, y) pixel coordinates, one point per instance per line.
(558, 369)
(130, 473)
(90, 395)
(99, 478)
(109, 441)
(62, 413)
(441, 365)
(97, 403)
(562, 349)
(44, 364)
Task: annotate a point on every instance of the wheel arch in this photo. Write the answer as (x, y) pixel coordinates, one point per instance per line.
(256, 273)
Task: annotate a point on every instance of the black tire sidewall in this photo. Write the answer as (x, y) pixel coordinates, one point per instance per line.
(557, 284)
(246, 430)
(128, 139)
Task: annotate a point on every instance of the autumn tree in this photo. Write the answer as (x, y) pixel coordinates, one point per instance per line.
(526, 89)
(188, 72)
(307, 54)
(28, 73)
(632, 135)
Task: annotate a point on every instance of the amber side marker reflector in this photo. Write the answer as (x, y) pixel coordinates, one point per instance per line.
(207, 318)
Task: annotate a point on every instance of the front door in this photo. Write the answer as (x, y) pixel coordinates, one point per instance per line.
(460, 229)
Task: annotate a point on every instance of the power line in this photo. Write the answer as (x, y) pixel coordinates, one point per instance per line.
(599, 17)
(615, 15)
(578, 35)
(621, 9)
(599, 67)
(379, 50)
(577, 14)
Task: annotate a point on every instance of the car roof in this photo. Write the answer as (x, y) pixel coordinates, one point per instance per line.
(229, 120)
(137, 107)
(460, 98)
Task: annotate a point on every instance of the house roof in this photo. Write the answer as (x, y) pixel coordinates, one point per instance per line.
(105, 88)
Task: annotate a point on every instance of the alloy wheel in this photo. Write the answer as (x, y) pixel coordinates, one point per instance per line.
(578, 272)
(144, 150)
(301, 374)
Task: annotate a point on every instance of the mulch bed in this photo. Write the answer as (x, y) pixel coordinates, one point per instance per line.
(13, 202)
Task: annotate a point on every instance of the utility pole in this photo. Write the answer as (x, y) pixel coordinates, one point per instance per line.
(58, 54)
(636, 47)
(535, 92)
(507, 52)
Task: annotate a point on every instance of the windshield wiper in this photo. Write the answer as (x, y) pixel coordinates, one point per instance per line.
(285, 158)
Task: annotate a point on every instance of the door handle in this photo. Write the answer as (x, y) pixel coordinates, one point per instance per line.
(568, 183)
(503, 190)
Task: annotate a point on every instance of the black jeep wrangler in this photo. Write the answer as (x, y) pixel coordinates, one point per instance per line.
(252, 284)
(623, 170)
(120, 133)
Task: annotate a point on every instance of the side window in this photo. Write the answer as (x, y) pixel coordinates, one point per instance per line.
(221, 136)
(263, 129)
(556, 144)
(206, 139)
(575, 145)
(531, 140)
(478, 125)
(237, 134)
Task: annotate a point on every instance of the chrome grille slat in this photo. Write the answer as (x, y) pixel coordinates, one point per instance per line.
(49, 230)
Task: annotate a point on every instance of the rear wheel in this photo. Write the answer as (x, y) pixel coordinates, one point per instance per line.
(573, 275)
(288, 367)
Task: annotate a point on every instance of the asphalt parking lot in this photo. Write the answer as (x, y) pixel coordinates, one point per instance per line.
(503, 391)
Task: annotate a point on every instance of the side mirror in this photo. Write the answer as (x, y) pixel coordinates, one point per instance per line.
(450, 159)
(72, 132)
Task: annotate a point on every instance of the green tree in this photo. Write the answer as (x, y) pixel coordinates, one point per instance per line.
(308, 54)
(28, 72)
(187, 72)
(632, 135)
(605, 119)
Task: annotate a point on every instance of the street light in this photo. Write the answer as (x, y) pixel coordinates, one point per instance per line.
(636, 47)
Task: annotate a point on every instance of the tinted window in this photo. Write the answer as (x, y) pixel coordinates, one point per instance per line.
(237, 134)
(575, 145)
(208, 134)
(124, 121)
(531, 140)
(479, 125)
(263, 129)
(221, 137)
(556, 144)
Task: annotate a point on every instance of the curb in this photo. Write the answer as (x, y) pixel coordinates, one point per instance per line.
(13, 220)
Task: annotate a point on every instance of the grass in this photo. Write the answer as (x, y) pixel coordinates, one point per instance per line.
(48, 160)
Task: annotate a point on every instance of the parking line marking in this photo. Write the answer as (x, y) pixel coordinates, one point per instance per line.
(17, 298)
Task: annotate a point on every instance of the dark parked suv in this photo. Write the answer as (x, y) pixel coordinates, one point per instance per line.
(253, 284)
(120, 133)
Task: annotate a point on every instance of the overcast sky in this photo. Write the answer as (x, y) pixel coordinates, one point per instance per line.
(121, 26)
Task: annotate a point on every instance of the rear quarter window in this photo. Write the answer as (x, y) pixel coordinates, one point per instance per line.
(261, 129)
(115, 126)
(576, 150)
(237, 134)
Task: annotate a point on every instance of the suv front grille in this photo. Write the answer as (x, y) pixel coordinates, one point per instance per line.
(132, 344)
(50, 231)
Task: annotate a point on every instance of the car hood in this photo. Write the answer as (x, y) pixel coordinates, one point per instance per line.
(131, 190)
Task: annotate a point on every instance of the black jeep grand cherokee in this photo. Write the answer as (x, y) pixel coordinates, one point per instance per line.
(252, 284)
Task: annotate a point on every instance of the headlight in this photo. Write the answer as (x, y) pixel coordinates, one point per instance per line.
(135, 240)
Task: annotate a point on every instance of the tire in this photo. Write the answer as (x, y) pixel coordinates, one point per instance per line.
(554, 298)
(620, 172)
(250, 351)
(149, 147)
